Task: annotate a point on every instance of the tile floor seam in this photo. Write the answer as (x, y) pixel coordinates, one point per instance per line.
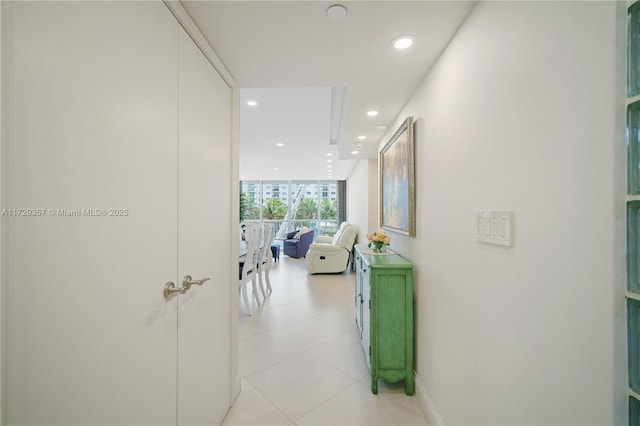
(357, 379)
(271, 365)
(270, 401)
(350, 381)
(328, 399)
(325, 342)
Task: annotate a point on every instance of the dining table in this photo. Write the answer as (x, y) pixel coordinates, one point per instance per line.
(242, 251)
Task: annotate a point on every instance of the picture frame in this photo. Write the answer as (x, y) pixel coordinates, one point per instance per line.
(396, 164)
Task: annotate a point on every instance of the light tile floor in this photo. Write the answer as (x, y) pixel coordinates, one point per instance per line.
(301, 361)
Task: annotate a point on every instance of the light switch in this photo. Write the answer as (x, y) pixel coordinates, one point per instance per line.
(494, 226)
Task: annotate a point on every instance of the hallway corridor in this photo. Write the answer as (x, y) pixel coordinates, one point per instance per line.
(301, 361)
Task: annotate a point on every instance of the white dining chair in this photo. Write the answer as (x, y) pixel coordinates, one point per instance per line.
(265, 260)
(249, 268)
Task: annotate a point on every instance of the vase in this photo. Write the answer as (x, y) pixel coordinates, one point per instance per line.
(379, 247)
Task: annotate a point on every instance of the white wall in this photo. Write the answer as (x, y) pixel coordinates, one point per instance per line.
(519, 113)
(374, 195)
(358, 204)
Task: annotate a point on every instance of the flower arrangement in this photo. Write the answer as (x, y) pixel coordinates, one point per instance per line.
(378, 241)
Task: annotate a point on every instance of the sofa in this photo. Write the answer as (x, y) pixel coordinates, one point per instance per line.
(297, 243)
(331, 255)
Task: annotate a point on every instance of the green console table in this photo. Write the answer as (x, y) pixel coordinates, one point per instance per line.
(384, 314)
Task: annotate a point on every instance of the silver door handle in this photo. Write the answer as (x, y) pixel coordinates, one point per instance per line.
(171, 291)
(187, 281)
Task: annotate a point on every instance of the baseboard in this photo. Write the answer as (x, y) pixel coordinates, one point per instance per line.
(426, 404)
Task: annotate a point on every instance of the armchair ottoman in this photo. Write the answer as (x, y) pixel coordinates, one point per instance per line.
(275, 251)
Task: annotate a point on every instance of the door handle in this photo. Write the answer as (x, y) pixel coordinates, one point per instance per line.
(171, 291)
(187, 281)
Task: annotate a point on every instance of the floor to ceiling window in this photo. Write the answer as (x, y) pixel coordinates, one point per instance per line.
(292, 205)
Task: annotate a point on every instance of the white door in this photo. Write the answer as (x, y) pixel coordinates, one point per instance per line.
(204, 216)
(94, 155)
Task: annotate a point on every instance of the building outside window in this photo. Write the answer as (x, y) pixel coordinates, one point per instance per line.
(291, 205)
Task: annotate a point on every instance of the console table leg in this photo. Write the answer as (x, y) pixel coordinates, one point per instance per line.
(409, 385)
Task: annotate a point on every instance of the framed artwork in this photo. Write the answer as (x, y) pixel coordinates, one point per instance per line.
(397, 186)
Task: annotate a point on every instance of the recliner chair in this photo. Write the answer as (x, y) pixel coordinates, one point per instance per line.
(328, 254)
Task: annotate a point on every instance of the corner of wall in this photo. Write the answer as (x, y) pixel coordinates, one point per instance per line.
(5, 134)
(235, 202)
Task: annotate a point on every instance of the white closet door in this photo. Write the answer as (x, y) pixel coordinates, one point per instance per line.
(90, 338)
(204, 365)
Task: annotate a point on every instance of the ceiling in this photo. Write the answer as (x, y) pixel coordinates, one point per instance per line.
(314, 79)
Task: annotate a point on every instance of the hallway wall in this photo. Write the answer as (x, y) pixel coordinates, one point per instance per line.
(362, 198)
(518, 113)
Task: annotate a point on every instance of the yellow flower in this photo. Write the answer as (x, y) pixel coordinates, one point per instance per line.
(379, 236)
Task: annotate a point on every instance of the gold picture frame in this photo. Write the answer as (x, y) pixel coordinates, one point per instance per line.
(397, 182)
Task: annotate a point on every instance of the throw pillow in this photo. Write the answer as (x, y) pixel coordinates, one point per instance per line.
(302, 231)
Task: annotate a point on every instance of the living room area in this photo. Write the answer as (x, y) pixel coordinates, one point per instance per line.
(302, 355)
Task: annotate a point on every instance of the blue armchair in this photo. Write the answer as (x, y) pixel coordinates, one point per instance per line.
(297, 242)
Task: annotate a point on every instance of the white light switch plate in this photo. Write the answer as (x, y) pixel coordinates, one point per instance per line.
(494, 226)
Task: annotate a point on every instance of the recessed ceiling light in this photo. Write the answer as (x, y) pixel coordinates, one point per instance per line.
(252, 103)
(329, 165)
(361, 138)
(355, 152)
(329, 154)
(279, 144)
(402, 42)
(336, 12)
(276, 169)
(372, 113)
(328, 161)
(381, 127)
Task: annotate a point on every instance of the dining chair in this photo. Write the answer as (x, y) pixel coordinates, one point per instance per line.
(243, 226)
(265, 260)
(249, 268)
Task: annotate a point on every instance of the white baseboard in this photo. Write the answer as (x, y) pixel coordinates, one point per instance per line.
(426, 404)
